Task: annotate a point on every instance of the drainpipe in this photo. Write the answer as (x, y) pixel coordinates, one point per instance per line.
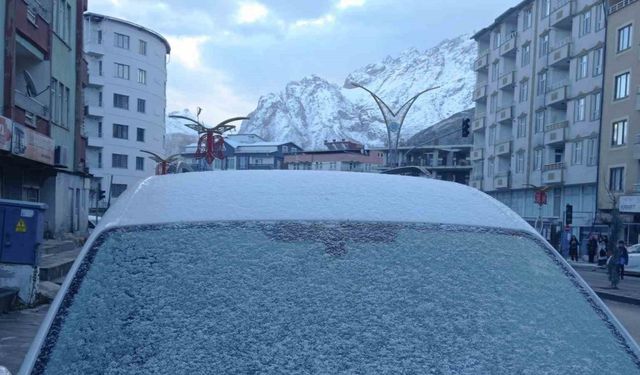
(605, 8)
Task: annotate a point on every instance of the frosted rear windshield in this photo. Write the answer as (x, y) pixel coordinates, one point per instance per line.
(328, 298)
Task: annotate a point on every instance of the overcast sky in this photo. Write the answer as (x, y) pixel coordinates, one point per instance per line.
(227, 53)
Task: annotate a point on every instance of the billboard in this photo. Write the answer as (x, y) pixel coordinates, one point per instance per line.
(30, 144)
(6, 127)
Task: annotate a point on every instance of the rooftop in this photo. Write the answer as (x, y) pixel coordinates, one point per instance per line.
(100, 17)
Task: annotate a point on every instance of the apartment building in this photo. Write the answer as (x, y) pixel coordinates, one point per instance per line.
(42, 144)
(339, 155)
(620, 141)
(537, 113)
(125, 101)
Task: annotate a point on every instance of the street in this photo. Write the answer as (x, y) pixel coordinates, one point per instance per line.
(628, 315)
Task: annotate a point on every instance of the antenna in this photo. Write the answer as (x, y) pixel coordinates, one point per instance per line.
(31, 86)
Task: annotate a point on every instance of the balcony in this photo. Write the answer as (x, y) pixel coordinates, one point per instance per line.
(557, 97)
(501, 181)
(552, 173)
(476, 184)
(482, 62)
(503, 148)
(562, 15)
(508, 48)
(555, 133)
(560, 57)
(31, 104)
(94, 48)
(507, 81)
(96, 80)
(480, 93)
(476, 154)
(93, 111)
(478, 123)
(505, 114)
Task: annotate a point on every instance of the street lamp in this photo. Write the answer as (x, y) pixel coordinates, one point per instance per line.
(392, 120)
(210, 142)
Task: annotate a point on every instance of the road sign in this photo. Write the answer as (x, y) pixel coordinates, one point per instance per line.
(540, 197)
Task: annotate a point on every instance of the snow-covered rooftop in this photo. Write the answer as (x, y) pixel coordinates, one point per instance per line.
(306, 195)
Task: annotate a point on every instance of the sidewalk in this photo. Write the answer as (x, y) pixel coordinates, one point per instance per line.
(628, 289)
(17, 330)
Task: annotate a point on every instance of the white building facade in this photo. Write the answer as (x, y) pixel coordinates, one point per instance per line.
(538, 104)
(125, 101)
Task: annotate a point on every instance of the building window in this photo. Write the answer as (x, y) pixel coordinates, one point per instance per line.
(524, 91)
(490, 167)
(139, 163)
(119, 161)
(54, 106)
(332, 165)
(493, 103)
(142, 47)
(99, 159)
(142, 76)
(583, 67)
(526, 55)
(522, 127)
(585, 23)
(591, 151)
(624, 38)
(120, 131)
(545, 8)
(99, 98)
(576, 153)
(100, 68)
(121, 71)
(120, 101)
(527, 18)
(497, 39)
(121, 40)
(118, 189)
(520, 162)
(616, 179)
(492, 135)
(540, 119)
(619, 133)
(597, 62)
(537, 159)
(596, 103)
(99, 36)
(495, 71)
(544, 45)
(140, 135)
(579, 110)
(142, 105)
(99, 129)
(542, 83)
(599, 17)
(621, 89)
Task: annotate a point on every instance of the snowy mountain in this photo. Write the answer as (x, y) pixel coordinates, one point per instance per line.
(312, 110)
(174, 125)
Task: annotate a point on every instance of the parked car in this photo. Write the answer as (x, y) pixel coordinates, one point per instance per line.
(322, 272)
(634, 256)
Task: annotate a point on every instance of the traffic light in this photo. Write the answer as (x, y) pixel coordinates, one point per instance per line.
(466, 124)
(568, 215)
(101, 194)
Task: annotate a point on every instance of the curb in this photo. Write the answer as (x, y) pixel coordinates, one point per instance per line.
(618, 298)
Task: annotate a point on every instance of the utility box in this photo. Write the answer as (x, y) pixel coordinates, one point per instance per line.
(22, 225)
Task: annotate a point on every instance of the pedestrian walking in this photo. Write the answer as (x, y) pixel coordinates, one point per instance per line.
(573, 248)
(624, 258)
(592, 247)
(602, 251)
(613, 265)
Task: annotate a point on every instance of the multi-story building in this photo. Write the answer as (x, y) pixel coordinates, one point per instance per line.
(538, 104)
(619, 172)
(125, 101)
(340, 155)
(449, 162)
(42, 145)
(241, 151)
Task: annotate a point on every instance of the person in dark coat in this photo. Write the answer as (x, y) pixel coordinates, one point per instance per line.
(592, 247)
(624, 258)
(573, 248)
(602, 251)
(613, 266)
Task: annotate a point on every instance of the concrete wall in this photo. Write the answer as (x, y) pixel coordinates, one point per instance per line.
(23, 277)
(68, 200)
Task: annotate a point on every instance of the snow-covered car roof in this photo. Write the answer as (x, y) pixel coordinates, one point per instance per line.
(305, 195)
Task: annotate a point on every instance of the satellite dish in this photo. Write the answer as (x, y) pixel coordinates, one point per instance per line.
(31, 86)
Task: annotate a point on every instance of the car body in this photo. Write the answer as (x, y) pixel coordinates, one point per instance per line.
(634, 256)
(322, 272)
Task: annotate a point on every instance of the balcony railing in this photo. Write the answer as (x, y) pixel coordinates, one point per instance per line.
(553, 166)
(618, 6)
(31, 104)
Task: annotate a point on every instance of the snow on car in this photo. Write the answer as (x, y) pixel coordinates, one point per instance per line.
(321, 272)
